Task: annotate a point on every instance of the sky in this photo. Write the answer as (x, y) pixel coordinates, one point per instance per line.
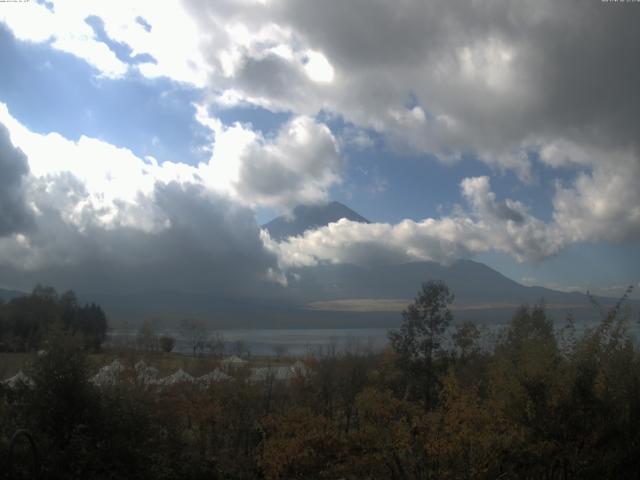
(142, 144)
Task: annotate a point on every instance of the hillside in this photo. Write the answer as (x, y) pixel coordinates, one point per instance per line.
(307, 217)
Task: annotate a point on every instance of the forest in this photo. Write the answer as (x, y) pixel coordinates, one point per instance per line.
(542, 401)
(25, 320)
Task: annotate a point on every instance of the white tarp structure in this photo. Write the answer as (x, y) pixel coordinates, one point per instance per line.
(145, 374)
(299, 368)
(233, 361)
(179, 376)
(279, 373)
(109, 374)
(18, 380)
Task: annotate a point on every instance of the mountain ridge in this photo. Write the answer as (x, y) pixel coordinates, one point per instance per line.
(308, 217)
(366, 296)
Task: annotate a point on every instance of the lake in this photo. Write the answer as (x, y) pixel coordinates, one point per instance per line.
(267, 342)
(297, 342)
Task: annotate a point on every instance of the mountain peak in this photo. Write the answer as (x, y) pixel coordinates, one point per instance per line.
(309, 217)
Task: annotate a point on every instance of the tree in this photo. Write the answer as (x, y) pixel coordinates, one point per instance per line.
(147, 337)
(215, 344)
(63, 405)
(420, 337)
(167, 343)
(93, 325)
(465, 338)
(194, 333)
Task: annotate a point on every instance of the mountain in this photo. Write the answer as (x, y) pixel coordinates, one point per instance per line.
(308, 217)
(472, 282)
(383, 291)
(7, 295)
(481, 293)
(345, 295)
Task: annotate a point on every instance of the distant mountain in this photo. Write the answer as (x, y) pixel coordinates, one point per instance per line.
(379, 293)
(351, 296)
(472, 282)
(7, 295)
(344, 295)
(308, 217)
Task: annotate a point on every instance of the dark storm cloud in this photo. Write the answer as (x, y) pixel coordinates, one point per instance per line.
(208, 244)
(508, 73)
(271, 77)
(497, 81)
(15, 216)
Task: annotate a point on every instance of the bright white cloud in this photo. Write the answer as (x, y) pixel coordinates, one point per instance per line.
(488, 226)
(299, 165)
(173, 39)
(479, 78)
(488, 79)
(91, 214)
(67, 31)
(318, 67)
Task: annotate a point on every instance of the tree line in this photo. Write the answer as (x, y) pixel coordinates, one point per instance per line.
(25, 321)
(542, 402)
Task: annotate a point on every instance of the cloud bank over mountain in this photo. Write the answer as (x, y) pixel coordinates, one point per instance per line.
(107, 219)
(126, 226)
(520, 87)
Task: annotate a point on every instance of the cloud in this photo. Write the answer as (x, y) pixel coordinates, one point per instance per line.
(492, 80)
(108, 220)
(495, 80)
(602, 204)
(166, 34)
(65, 29)
(483, 200)
(207, 244)
(15, 215)
(487, 226)
(297, 166)
(501, 82)
(103, 220)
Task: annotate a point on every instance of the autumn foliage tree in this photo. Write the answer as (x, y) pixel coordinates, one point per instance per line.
(419, 340)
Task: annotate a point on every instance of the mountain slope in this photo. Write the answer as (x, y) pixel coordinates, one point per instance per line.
(307, 217)
(470, 281)
(7, 295)
(345, 295)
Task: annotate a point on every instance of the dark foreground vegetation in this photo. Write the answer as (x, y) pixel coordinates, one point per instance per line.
(541, 403)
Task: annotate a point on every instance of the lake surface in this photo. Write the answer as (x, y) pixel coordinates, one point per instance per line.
(297, 342)
(266, 342)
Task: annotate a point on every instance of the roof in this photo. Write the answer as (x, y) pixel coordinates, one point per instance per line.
(109, 374)
(178, 377)
(233, 360)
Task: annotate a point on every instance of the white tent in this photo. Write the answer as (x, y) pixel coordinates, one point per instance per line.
(109, 374)
(145, 374)
(18, 380)
(178, 377)
(299, 368)
(233, 361)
